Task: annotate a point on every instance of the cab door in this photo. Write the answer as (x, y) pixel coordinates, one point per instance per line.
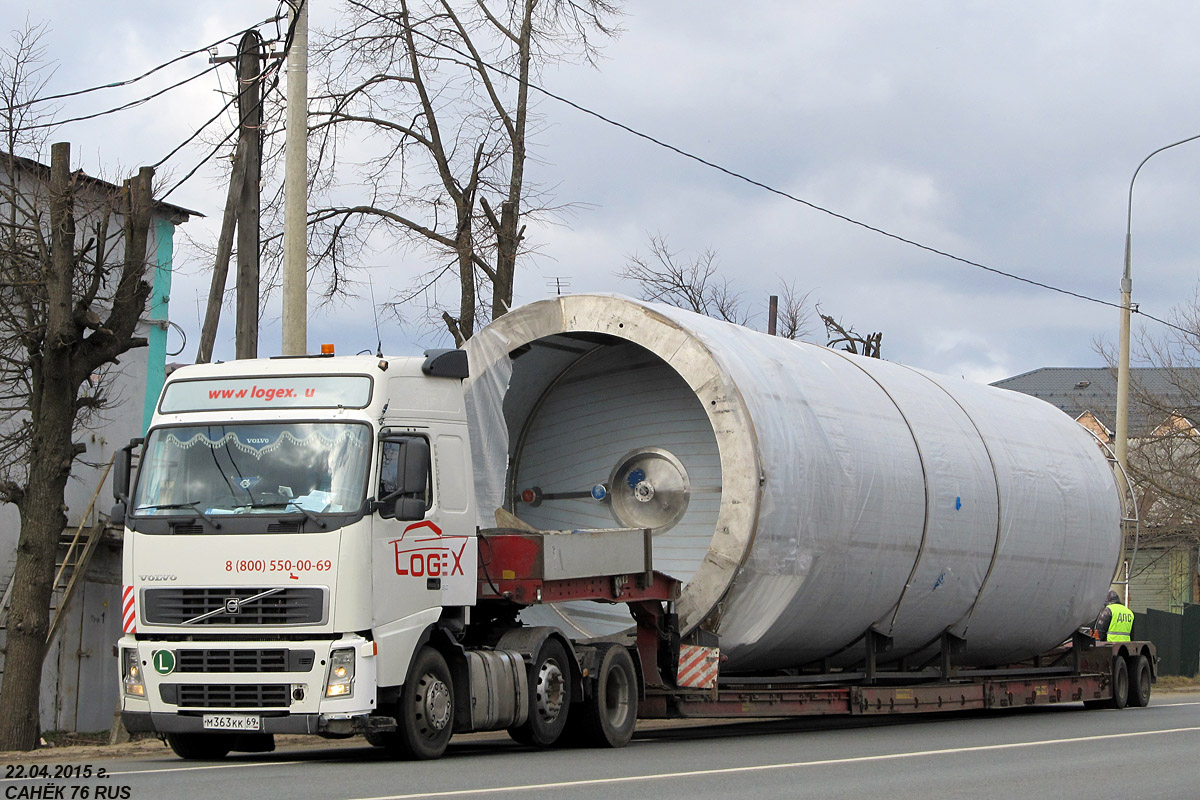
(423, 541)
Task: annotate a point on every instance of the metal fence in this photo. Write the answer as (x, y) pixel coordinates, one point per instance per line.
(1177, 637)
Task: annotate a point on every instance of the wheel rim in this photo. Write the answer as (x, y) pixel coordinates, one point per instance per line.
(551, 690)
(617, 695)
(433, 706)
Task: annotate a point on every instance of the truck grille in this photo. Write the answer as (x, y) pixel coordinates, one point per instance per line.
(276, 660)
(235, 695)
(292, 605)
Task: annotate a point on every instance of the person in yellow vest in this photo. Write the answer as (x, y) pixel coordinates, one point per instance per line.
(1116, 621)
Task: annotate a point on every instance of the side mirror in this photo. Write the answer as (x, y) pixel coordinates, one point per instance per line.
(121, 470)
(120, 478)
(410, 509)
(117, 516)
(404, 478)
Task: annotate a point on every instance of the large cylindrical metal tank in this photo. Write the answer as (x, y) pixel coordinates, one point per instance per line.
(804, 495)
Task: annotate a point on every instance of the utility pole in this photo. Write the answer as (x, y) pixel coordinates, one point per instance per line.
(250, 55)
(772, 315)
(295, 188)
(216, 290)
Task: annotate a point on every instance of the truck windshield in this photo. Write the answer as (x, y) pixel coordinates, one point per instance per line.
(254, 468)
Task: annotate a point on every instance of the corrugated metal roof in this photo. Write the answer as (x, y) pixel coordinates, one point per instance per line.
(1076, 390)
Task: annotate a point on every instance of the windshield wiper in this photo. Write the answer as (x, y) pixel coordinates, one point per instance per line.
(310, 516)
(192, 505)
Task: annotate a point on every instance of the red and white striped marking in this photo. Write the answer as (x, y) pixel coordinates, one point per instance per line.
(128, 610)
(697, 666)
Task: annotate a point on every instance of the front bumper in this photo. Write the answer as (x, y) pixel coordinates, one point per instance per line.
(167, 722)
(282, 683)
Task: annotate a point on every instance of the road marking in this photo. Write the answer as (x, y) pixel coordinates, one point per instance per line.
(701, 773)
(1170, 705)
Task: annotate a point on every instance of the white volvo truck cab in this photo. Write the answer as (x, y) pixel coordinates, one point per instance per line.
(297, 530)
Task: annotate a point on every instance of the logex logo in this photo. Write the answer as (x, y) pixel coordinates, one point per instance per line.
(423, 552)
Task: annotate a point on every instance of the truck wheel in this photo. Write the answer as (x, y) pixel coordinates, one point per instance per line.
(200, 746)
(426, 713)
(549, 696)
(610, 714)
(1139, 681)
(1120, 684)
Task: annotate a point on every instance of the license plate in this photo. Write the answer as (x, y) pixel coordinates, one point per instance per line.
(232, 722)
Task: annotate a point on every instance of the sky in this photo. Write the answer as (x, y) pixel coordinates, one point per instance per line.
(1002, 133)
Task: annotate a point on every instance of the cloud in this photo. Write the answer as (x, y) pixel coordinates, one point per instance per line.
(1003, 133)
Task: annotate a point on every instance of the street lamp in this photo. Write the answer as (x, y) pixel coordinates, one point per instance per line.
(1122, 433)
(1126, 310)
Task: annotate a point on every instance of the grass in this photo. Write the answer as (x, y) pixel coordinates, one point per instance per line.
(1177, 682)
(68, 738)
(72, 738)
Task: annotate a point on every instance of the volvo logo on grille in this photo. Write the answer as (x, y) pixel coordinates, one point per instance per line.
(229, 606)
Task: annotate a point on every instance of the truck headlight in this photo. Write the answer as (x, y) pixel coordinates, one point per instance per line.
(131, 671)
(340, 680)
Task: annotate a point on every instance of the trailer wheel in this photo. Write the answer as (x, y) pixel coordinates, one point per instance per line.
(610, 714)
(426, 713)
(1139, 681)
(200, 746)
(1120, 684)
(549, 696)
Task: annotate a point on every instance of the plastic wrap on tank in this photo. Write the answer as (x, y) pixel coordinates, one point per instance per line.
(825, 495)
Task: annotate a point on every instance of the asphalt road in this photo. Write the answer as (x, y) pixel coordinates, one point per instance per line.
(1060, 751)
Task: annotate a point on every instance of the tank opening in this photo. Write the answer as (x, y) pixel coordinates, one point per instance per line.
(604, 433)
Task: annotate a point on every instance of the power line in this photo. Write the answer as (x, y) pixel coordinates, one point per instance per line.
(199, 131)
(262, 79)
(146, 74)
(141, 100)
(767, 187)
(217, 148)
(125, 106)
(267, 72)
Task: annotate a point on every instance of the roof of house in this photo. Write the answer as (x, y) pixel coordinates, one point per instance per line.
(43, 172)
(1076, 390)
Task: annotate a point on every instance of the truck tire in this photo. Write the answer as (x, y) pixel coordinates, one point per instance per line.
(1120, 684)
(425, 716)
(200, 746)
(1139, 681)
(549, 696)
(610, 714)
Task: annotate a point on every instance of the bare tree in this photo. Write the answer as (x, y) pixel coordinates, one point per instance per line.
(442, 90)
(1164, 427)
(795, 312)
(695, 284)
(664, 276)
(849, 340)
(72, 260)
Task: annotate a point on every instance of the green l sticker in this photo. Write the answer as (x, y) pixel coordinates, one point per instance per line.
(164, 661)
